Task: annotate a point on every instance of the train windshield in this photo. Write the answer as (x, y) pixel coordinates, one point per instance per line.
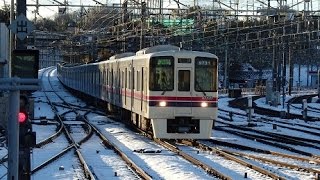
(161, 73)
(205, 74)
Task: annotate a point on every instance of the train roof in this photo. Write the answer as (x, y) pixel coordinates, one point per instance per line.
(159, 48)
(122, 55)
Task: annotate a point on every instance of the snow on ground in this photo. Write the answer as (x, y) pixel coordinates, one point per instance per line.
(165, 165)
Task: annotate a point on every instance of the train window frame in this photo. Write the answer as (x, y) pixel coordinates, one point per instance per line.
(200, 86)
(162, 73)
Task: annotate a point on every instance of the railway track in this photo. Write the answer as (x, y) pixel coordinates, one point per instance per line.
(245, 158)
(89, 129)
(200, 163)
(305, 127)
(232, 157)
(84, 118)
(281, 141)
(241, 103)
(236, 123)
(224, 144)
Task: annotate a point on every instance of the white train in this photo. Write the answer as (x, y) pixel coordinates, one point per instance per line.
(171, 92)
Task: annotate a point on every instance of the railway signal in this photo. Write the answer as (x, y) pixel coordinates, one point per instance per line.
(22, 117)
(23, 112)
(27, 138)
(25, 63)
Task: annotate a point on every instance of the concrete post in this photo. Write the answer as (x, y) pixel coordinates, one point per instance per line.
(13, 135)
(304, 109)
(250, 111)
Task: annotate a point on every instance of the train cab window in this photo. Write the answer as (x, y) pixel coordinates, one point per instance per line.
(161, 73)
(205, 74)
(183, 80)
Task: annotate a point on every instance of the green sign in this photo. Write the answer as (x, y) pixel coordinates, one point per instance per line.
(164, 62)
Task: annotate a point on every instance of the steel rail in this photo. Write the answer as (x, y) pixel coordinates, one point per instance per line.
(129, 162)
(283, 164)
(233, 158)
(193, 160)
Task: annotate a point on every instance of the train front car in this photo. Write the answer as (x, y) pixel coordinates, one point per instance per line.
(183, 94)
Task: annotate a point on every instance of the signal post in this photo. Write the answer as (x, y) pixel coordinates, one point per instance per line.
(24, 64)
(15, 85)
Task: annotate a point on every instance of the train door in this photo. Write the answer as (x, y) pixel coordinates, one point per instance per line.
(183, 92)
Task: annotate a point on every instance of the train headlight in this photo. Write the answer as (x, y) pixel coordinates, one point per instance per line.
(163, 103)
(204, 104)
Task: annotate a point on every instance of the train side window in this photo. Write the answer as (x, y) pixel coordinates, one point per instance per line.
(122, 79)
(100, 76)
(184, 80)
(142, 80)
(138, 81)
(133, 79)
(126, 79)
(104, 77)
(118, 79)
(129, 80)
(107, 80)
(97, 77)
(111, 78)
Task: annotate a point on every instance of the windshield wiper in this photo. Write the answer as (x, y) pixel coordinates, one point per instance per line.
(197, 83)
